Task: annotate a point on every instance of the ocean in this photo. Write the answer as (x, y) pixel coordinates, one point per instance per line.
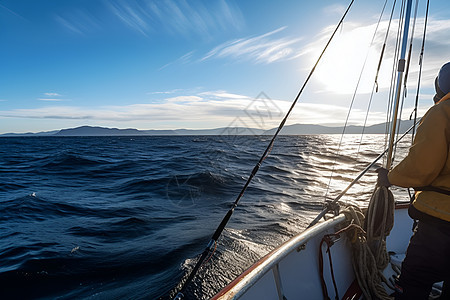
(125, 217)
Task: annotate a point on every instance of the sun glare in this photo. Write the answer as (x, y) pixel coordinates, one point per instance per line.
(342, 63)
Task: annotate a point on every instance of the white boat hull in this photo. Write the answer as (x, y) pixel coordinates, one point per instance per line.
(292, 270)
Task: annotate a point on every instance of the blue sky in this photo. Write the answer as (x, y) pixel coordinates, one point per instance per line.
(199, 64)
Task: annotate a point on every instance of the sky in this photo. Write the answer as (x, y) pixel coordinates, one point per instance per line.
(205, 64)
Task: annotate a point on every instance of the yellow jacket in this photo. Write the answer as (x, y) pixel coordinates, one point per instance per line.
(428, 162)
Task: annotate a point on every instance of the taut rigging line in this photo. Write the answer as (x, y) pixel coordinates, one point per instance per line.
(212, 243)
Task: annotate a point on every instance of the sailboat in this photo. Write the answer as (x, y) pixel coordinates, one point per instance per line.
(355, 253)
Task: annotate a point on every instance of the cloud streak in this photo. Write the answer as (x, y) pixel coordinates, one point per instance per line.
(220, 108)
(264, 48)
(78, 21)
(203, 19)
(178, 17)
(185, 59)
(348, 48)
(52, 94)
(12, 12)
(52, 97)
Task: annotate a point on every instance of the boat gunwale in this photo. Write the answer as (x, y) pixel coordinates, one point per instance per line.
(248, 278)
(239, 286)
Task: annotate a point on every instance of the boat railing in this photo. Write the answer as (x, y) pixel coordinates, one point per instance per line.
(270, 262)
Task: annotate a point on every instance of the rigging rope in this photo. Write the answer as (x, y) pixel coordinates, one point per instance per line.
(369, 252)
(353, 100)
(420, 67)
(410, 49)
(391, 98)
(384, 44)
(408, 62)
(227, 217)
(375, 84)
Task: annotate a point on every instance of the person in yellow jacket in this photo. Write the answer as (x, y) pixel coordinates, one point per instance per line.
(426, 168)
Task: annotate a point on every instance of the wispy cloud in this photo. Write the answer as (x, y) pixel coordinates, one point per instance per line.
(264, 48)
(200, 110)
(52, 94)
(334, 9)
(132, 14)
(78, 21)
(185, 59)
(12, 12)
(178, 17)
(52, 97)
(208, 106)
(223, 95)
(68, 25)
(164, 92)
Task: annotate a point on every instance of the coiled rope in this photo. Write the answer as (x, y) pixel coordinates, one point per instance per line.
(378, 224)
(367, 234)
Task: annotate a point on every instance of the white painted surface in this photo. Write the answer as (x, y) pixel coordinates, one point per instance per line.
(299, 270)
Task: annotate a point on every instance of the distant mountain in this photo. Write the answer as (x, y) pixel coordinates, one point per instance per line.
(96, 131)
(221, 131)
(42, 133)
(301, 129)
(102, 131)
(296, 129)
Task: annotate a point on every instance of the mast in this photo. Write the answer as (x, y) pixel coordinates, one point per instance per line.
(400, 74)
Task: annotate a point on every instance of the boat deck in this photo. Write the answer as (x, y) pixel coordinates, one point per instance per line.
(291, 271)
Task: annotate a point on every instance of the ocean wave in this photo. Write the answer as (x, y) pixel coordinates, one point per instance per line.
(121, 217)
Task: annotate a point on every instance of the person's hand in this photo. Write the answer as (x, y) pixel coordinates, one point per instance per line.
(383, 179)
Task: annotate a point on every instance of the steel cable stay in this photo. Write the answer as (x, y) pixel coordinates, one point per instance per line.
(353, 100)
(391, 98)
(212, 243)
(416, 104)
(384, 44)
(379, 216)
(410, 49)
(375, 84)
(408, 63)
(400, 70)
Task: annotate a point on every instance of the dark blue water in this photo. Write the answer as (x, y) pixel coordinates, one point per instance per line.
(125, 217)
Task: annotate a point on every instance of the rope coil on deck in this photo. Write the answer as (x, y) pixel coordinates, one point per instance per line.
(367, 234)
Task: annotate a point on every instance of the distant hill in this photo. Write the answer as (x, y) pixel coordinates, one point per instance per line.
(96, 131)
(43, 133)
(300, 129)
(296, 129)
(102, 131)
